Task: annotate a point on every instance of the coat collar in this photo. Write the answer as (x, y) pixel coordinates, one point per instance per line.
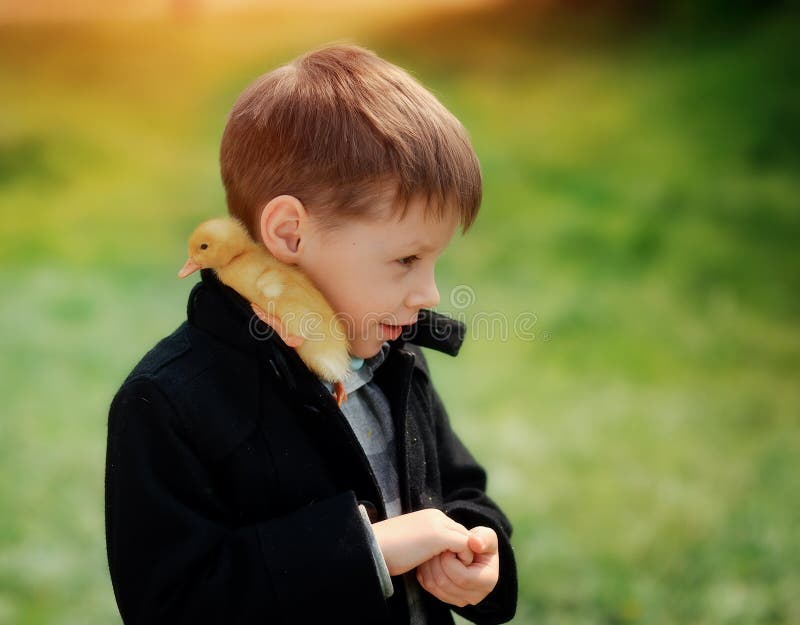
(436, 331)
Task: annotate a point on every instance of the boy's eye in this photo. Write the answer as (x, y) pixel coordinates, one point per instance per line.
(408, 260)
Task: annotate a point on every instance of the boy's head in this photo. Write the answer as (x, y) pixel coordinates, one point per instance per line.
(339, 161)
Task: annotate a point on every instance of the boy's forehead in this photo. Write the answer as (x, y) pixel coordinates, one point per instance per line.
(423, 212)
(423, 236)
(415, 225)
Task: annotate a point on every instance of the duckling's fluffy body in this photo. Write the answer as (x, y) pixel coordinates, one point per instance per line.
(279, 289)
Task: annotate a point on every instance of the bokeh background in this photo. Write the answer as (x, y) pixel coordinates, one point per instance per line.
(641, 216)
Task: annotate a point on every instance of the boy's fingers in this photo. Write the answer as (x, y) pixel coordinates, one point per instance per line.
(439, 584)
(456, 542)
(482, 540)
(259, 313)
(466, 556)
(275, 323)
(293, 341)
(459, 575)
(475, 581)
(473, 584)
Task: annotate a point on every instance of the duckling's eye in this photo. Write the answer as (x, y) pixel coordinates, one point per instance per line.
(203, 246)
(408, 260)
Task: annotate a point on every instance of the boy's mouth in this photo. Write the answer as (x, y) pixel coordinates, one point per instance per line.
(390, 332)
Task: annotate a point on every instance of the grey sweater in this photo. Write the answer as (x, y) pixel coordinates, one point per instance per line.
(368, 413)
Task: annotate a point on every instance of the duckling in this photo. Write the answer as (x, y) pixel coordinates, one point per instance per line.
(280, 294)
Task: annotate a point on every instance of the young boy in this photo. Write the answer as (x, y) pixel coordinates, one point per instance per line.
(237, 491)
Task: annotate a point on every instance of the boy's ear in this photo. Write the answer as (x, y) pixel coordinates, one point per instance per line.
(282, 223)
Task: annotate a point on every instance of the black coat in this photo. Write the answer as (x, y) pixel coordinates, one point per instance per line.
(232, 479)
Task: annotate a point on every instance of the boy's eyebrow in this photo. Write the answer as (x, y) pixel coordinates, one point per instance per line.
(420, 245)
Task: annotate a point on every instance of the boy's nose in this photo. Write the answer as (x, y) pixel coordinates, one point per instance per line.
(426, 295)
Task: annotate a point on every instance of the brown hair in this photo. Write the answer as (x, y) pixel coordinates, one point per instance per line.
(339, 127)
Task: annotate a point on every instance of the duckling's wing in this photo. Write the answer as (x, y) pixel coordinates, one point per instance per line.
(271, 283)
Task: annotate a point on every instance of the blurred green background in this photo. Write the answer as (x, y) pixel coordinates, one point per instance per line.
(641, 206)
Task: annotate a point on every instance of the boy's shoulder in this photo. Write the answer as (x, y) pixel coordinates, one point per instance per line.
(198, 348)
(167, 350)
(179, 358)
(197, 386)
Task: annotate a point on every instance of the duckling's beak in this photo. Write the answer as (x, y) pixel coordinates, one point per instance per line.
(189, 267)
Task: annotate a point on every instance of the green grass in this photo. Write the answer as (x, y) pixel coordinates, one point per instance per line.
(640, 207)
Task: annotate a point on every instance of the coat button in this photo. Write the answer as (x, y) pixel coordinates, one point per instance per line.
(372, 511)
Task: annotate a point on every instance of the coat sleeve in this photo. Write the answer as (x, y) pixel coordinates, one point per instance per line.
(173, 560)
(466, 501)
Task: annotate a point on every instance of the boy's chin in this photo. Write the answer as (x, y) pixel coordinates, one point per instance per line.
(366, 349)
(364, 352)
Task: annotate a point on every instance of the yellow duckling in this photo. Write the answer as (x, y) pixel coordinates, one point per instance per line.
(281, 295)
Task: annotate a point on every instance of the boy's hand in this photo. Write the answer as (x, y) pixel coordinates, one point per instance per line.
(408, 540)
(454, 582)
(275, 323)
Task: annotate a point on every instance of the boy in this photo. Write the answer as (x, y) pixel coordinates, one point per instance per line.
(237, 491)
